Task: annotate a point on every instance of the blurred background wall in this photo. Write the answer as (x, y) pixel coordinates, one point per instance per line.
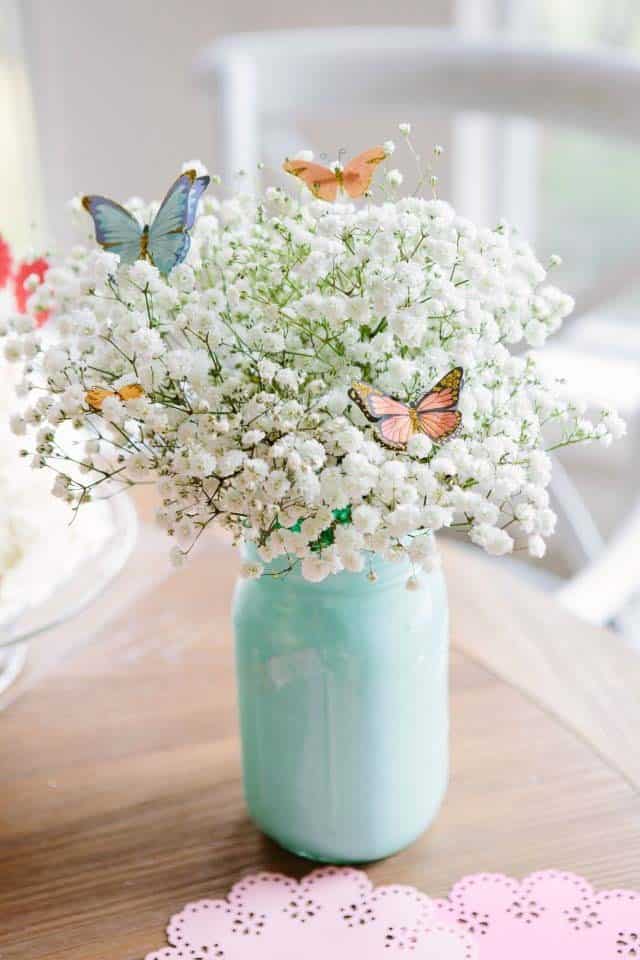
(118, 107)
(114, 88)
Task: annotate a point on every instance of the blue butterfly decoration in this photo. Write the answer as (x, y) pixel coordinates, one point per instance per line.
(166, 241)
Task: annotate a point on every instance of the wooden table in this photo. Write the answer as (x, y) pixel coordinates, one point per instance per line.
(121, 796)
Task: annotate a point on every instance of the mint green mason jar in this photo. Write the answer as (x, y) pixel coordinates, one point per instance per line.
(343, 699)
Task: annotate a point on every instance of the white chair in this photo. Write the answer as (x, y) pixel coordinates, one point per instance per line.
(263, 80)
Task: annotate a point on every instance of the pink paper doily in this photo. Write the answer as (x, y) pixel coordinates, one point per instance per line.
(333, 912)
(547, 915)
(336, 913)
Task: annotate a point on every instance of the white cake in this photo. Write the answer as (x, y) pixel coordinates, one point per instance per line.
(39, 546)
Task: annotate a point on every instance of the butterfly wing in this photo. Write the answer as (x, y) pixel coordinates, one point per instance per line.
(392, 418)
(131, 392)
(375, 403)
(116, 229)
(356, 176)
(168, 238)
(440, 425)
(199, 186)
(322, 181)
(395, 431)
(445, 394)
(436, 411)
(97, 396)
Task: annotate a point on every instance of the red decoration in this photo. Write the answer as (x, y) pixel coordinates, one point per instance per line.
(26, 269)
(6, 262)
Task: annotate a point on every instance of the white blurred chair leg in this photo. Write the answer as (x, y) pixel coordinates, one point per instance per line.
(600, 591)
(494, 167)
(518, 175)
(473, 173)
(609, 575)
(238, 125)
(587, 543)
(473, 179)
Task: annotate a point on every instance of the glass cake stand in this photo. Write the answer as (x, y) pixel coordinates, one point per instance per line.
(68, 598)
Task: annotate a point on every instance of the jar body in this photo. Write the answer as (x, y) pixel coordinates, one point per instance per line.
(343, 699)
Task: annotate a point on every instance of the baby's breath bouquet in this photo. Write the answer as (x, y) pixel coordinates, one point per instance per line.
(227, 382)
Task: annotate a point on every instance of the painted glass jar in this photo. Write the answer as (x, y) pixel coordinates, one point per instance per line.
(343, 699)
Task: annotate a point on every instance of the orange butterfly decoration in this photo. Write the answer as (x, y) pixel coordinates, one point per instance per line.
(324, 182)
(434, 414)
(96, 397)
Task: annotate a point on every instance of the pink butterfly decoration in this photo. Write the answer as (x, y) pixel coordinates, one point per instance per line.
(434, 415)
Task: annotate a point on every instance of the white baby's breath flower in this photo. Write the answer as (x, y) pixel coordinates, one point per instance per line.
(18, 425)
(422, 548)
(492, 539)
(366, 518)
(614, 424)
(537, 546)
(251, 571)
(12, 350)
(315, 569)
(228, 381)
(403, 520)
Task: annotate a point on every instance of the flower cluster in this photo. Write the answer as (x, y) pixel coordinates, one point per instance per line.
(30, 518)
(246, 353)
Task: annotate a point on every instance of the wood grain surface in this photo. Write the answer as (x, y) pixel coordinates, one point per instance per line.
(121, 798)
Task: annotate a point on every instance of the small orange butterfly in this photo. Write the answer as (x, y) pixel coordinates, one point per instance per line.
(434, 414)
(96, 397)
(324, 182)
